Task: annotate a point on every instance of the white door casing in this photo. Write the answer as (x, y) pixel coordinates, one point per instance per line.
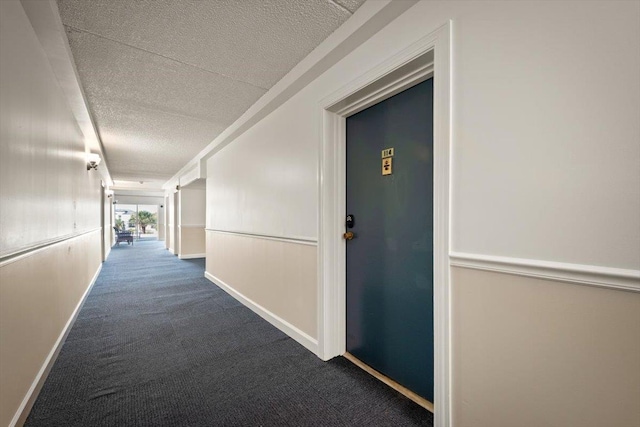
(428, 57)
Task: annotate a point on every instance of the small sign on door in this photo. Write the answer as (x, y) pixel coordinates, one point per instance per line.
(387, 155)
(387, 152)
(386, 165)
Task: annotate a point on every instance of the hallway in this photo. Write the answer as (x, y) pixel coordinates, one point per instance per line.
(220, 126)
(158, 344)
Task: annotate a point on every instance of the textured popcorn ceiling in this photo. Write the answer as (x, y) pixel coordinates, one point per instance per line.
(164, 77)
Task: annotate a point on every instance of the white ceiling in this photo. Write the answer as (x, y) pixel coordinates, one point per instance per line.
(163, 78)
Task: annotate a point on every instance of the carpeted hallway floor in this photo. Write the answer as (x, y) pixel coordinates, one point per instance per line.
(157, 344)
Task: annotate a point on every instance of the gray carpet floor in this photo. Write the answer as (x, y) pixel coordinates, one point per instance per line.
(157, 344)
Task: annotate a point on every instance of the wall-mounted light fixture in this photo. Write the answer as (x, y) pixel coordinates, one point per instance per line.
(93, 160)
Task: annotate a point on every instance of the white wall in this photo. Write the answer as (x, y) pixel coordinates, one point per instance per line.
(276, 193)
(175, 222)
(547, 132)
(46, 196)
(274, 196)
(46, 190)
(161, 220)
(107, 231)
(168, 217)
(545, 167)
(192, 207)
(191, 222)
(546, 153)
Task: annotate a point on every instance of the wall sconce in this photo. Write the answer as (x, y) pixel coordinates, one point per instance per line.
(93, 160)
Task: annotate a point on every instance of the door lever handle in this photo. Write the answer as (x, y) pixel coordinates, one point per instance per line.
(348, 235)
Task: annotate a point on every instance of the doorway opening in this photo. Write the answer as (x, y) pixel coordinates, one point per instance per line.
(139, 220)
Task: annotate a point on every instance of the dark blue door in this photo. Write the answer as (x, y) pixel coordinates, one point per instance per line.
(390, 259)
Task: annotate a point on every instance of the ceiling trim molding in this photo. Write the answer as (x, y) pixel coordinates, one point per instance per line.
(370, 18)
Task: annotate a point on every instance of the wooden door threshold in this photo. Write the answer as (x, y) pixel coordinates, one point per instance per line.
(391, 383)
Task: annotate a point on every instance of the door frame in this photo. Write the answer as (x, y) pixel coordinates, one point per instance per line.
(428, 57)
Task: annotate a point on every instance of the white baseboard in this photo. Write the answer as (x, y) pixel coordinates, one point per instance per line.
(307, 341)
(171, 251)
(30, 398)
(191, 256)
(579, 274)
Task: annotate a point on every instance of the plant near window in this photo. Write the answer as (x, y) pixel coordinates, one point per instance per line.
(144, 219)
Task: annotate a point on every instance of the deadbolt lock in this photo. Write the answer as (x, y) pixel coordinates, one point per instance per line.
(348, 235)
